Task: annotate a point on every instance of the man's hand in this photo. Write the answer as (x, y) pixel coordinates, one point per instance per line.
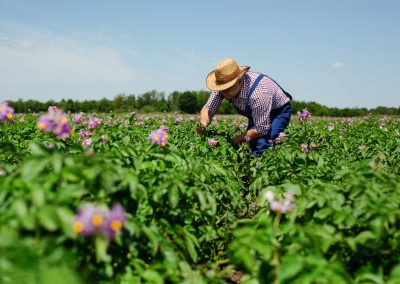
(200, 128)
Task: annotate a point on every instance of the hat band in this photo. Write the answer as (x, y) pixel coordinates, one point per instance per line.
(221, 79)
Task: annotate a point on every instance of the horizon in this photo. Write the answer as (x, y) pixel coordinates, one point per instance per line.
(167, 95)
(339, 54)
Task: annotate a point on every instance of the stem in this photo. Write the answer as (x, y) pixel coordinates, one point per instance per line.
(306, 162)
(275, 256)
(277, 219)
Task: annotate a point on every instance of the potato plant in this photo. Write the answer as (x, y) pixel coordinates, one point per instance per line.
(129, 198)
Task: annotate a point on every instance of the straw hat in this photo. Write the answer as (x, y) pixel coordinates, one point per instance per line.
(225, 75)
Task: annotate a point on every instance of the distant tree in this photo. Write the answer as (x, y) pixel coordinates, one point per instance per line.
(119, 102)
(105, 105)
(172, 101)
(187, 102)
(130, 102)
(69, 106)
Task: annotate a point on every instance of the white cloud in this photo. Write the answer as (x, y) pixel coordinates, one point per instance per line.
(37, 59)
(337, 65)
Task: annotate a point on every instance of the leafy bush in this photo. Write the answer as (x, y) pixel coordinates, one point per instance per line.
(195, 212)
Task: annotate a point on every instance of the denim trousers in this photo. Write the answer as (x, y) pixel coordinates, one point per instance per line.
(279, 119)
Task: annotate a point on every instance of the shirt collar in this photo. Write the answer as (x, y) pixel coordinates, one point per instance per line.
(246, 86)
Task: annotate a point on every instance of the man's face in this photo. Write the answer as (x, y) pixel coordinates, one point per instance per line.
(233, 90)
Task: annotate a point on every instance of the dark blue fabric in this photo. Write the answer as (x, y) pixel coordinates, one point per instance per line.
(279, 119)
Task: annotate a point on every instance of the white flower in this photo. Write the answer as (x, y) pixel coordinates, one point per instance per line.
(269, 195)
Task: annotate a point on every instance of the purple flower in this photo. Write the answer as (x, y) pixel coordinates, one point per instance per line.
(104, 138)
(52, 109)
(159, 137)
(115, 221)
(78, 118)
(304, 148)
(212, 142)
(56, 122)
(92, 122)
(90, 219)
(87, 142)
(178, 119)
(163, 128)
(83, 133)
(6, 112)
(304, 115)
(48, 145)
(241, 126)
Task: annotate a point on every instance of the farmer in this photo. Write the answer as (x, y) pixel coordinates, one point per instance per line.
(254, 95)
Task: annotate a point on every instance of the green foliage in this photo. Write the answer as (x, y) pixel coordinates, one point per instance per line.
(187, 101)
(197, 214)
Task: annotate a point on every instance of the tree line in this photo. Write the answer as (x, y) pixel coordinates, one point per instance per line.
(187, 102)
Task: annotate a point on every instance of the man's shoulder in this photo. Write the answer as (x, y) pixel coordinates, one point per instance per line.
(252, 75)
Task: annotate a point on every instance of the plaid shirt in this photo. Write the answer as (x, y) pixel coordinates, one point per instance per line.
(266, 97)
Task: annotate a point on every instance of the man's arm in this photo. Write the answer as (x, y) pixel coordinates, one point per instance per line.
(208, 111)
(205, 119)
(251, 134)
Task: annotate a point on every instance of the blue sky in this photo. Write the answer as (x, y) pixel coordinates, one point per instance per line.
(337, 53)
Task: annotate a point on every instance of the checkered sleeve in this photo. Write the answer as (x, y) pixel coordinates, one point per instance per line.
(261, 106)
(214, 101)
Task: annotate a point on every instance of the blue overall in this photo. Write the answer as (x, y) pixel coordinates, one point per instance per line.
(279, 119)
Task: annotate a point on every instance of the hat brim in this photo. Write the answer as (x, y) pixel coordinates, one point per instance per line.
(211, 80)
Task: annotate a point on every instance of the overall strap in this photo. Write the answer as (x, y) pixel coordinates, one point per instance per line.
(286, 93)
(255, 84)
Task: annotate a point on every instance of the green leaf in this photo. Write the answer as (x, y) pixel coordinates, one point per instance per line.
(291, 265)
(191, 244)
(364, 236)
(150, 234)
(101, 245)
(369, 278)
(152, 276)
(173, 196)
(32, 168)
(323, 213)
(56, 162)
(395, 272)
(59, 275)
(66, 216)
(38, 197)
(47, 218)
(20, 208)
